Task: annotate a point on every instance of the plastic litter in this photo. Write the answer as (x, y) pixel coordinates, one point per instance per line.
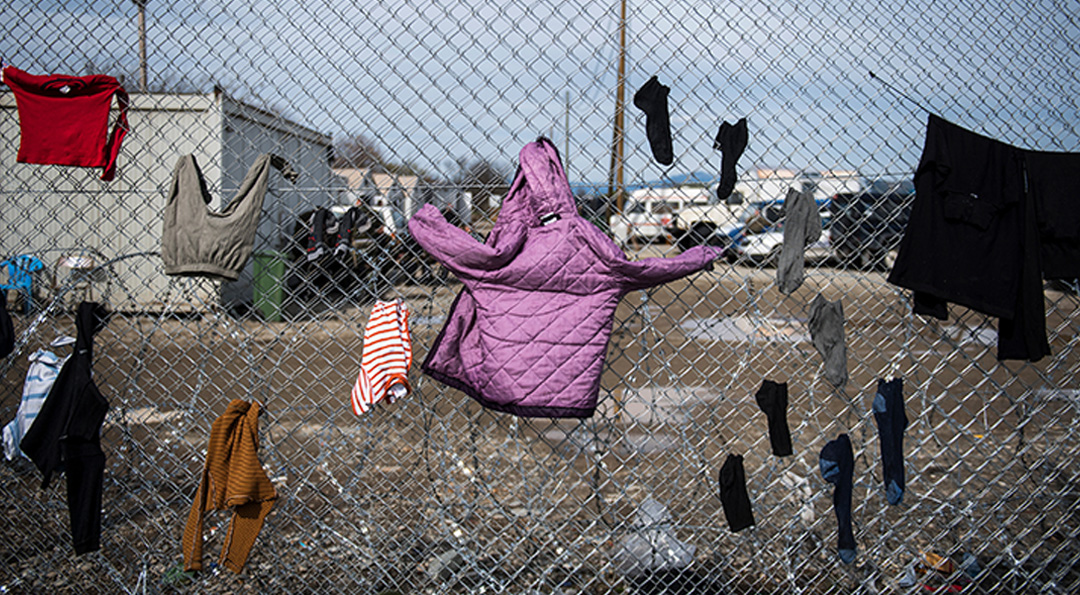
(652, 546)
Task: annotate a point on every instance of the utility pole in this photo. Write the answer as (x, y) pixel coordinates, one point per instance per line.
(143, 86)
(616, 187)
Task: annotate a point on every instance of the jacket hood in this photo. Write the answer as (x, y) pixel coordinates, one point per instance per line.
(540, 189)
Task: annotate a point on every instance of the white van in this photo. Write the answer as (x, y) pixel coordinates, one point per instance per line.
(648, 212)
(714, 224)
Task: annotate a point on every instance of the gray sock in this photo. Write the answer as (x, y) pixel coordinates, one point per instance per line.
(827, 332)
(802, 227)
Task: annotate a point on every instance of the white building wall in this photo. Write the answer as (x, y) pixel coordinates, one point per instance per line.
(50, 211)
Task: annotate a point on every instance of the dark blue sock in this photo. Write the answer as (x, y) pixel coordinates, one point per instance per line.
(891, 423)
(837, 467)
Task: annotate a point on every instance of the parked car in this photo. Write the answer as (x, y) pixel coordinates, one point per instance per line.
(697, 224)
(648, 213)
(867, 226)
(712, 224)
(764, 238)
(860, 230)
(753, 218)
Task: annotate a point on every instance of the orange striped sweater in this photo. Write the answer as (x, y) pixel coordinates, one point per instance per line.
(232, 478)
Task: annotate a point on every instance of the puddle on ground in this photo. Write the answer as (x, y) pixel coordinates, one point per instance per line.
(972, 336)
(144, 416)
(1068, 395)
(576, 442)
(577, 438)
(647, 443)
(650, 405)
(744, 329)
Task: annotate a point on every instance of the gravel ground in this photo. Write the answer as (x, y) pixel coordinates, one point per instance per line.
(434, 494)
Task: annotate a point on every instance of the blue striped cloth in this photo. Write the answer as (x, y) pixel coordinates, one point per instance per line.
(44, 367)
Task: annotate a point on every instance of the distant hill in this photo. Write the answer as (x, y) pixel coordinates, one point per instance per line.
(696, 178)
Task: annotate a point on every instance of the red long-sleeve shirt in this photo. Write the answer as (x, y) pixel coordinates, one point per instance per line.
(64, 120)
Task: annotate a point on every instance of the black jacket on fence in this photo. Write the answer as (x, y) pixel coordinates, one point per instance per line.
(989, 221)
(66, 436)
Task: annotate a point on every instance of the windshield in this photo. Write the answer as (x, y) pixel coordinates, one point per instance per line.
(662, 208)
(901, 187)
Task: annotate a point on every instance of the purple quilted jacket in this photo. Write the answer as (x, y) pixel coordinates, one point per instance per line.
(528, 333)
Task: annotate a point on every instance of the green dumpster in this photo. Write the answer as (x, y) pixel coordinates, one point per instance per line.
(269, 285)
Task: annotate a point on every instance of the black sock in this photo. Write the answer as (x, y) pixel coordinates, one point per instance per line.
(733, 494)
(731, 141)
(891, 423)
(651, 98)
(772, 399)
(837, 467)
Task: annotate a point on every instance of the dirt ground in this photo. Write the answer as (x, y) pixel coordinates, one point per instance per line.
(374, 504)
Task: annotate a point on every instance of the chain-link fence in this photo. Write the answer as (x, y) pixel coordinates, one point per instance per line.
(389, 105)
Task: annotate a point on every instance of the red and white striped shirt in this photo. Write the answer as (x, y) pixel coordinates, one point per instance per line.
(387, 355)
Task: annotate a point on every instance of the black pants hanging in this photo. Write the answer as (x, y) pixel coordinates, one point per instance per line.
(85, 473)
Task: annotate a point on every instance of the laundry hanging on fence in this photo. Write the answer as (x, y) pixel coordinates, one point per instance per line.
(733, 495)
(989, 221)
(196, 241)
(529, 332)
(802, 227)
(891, 422)
(387, 356)
(731, 139)
(772, 398)
(328, 234)
(837, 464)
(826, 324)
(66, 436)
(232, 478)
(1054, 184)
(652, 98)
(40, 376)
(64, 120)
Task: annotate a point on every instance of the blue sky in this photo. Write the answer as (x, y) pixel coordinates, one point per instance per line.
(432, 81)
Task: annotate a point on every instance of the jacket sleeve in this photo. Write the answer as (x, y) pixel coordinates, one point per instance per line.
(648, 272)
(460, 252)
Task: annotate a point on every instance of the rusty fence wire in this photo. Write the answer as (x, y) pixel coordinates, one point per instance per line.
(392, 104)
